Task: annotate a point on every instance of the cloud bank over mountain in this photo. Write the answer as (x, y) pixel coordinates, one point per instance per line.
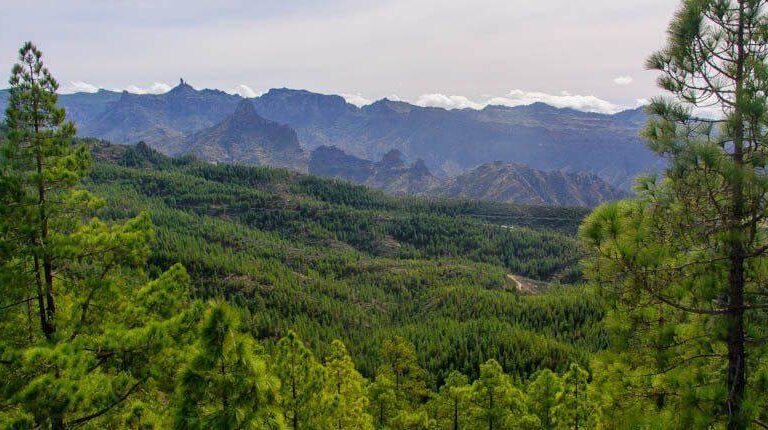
(516, 97)
(369, 48)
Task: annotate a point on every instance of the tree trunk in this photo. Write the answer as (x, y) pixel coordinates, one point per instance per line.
(736, 378)
(456, 414)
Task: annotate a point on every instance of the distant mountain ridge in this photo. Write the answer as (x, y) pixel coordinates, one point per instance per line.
(519, 183)
(242, 137)
(497, 181)
(392, 174)
(156, 117)
(450, 142)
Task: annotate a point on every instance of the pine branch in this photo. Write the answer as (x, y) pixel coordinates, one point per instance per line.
(80, 421)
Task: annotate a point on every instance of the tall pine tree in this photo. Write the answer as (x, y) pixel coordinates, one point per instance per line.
(83, 335)
(688, 256)
(226, 385)
(543, 390)
(303, 379)
(450, 404)
(496, 402)
(346, 391)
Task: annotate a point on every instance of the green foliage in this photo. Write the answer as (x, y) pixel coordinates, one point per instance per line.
(225, 384)
(496, 402)
(401, 366)
(84, 332)
(383, 401)
(573, 405)
(684, 263)
(449, 406)
(542, 392)
(302, 393)
(345, 388)
(101, 327)
(330, 271)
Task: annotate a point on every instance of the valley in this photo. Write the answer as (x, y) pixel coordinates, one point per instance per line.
(334, 260)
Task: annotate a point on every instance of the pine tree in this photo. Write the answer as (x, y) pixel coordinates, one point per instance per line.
(450, 404)
(226, 385)
(303, 379)
(346, 390)
(83, 333)
(542, 391)
(401, 366)
(573, 409)
(497, 403)
(39, 167)
(688, 256)
(383, 400)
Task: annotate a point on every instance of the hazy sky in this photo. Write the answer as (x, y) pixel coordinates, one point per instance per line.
(587, 54)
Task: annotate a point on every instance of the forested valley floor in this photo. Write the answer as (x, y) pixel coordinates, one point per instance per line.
(332, 260)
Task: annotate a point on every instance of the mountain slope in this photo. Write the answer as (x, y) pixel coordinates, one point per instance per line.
(242, 137)
(499, 182)
(392, 174)
(521, 184)
(332, 260)
(155, 117)
(449, 141)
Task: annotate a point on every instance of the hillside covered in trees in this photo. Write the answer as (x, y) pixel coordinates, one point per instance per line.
(224, 296)
(333, 260)
(147, 292)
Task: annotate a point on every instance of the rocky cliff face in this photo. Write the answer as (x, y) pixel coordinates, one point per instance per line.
(155, 117)
(392, 174)
(452, 141)
(519, 183)
(243, 137)
(449, 142)
(515, 183)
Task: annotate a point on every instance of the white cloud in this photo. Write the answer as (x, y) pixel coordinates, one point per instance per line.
(244, 91)
(521, 98)
(447, 102)
(516, 97)
(356, 99)
(155, 88)
(623, 80)
(78, 87)
(84, 87)
(563, 100)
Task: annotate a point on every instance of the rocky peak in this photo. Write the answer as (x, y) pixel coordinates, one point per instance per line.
(387, 106)
(393, 159)
(182, 88)
(245, 110)
(420, 168)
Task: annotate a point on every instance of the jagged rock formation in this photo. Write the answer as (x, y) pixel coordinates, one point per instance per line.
(498, 181)
(243, 137)
(392, 174)
(449, 142)
(519, 183)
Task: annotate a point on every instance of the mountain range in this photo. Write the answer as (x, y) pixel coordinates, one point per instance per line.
(530, 153)
(392, 174)
(497, 181)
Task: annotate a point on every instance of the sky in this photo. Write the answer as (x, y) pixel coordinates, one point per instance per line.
(585, 54)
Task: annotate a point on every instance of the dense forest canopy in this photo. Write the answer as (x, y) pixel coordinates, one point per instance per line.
(327, 302)
(142, 291)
